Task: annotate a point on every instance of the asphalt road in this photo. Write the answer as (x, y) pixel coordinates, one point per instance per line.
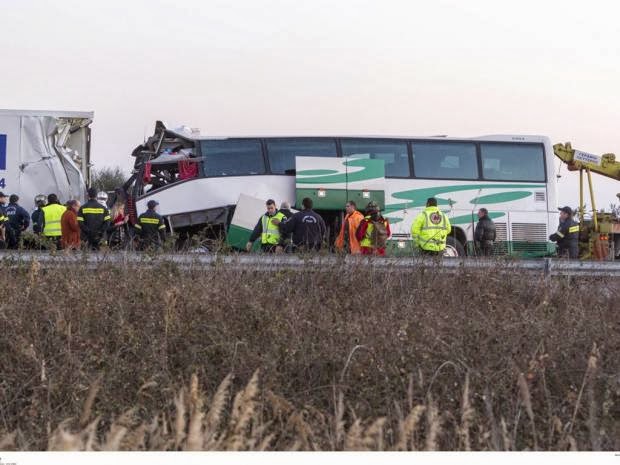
(545, 267)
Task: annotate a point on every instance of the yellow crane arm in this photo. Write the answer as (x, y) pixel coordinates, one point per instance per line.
(576, 160)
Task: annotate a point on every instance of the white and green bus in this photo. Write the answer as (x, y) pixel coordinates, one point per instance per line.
(511, 176)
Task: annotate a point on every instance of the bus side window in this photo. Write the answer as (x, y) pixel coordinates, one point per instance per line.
(513, 162)
(445, 160)
(282, 152)
(392, 152)
(232, 157)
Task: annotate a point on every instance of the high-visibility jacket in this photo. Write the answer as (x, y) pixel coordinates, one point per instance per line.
(352, 221)
(52, 214)
(3, 217)
(365, 230)
(430, 229)
(271, 232)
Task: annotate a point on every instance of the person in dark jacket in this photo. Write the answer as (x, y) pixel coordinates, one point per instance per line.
(19, 220)
(484, 235)
(567, 235)
(151, 227)
(307, 226)
(94, 220)
(286, 240)
(38, 217)
(4, 227)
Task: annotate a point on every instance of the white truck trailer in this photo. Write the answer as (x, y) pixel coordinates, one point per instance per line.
(44, 152)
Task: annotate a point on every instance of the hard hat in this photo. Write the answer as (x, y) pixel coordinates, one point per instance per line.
(372, 206)
(40, 199)
(102, 196)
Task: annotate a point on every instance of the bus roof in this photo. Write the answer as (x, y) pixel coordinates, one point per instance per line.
(490, 138)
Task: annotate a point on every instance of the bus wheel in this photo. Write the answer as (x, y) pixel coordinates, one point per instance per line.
(453, 248)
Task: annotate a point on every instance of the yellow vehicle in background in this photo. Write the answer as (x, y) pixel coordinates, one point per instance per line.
(599, 237)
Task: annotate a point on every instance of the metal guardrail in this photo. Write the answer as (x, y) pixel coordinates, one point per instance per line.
(545, 266)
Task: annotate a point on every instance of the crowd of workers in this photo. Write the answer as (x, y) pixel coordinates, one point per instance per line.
(73, 226)
(365, 234)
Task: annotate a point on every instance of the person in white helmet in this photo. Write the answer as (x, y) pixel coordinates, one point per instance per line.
(102, 198)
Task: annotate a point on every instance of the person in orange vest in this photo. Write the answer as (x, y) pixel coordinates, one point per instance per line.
(346, 240)
(373, 231)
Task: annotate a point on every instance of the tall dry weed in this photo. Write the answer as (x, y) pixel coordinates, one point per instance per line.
(346, 359)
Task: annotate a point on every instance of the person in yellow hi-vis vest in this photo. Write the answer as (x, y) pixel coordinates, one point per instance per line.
(52, 213)
(268, 230)
(430, 229)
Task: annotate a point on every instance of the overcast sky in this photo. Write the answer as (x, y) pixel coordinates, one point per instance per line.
(461, 68)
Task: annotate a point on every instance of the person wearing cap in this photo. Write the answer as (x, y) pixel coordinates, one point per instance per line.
(52, 213)
(94, 219)
(151, 227)
(567, 235)
(430, 229)
(37, 216)
(373, 231)
(3, 220)
(267, 229)
(484, 234)
(19, 220)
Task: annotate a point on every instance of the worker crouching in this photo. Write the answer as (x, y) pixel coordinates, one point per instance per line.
(567, 235)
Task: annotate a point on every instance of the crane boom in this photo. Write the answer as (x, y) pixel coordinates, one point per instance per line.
(576, 160)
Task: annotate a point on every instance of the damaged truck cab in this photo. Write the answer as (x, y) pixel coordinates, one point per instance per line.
(43, 152)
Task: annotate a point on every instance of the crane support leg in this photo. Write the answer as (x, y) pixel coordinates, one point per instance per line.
(581, 206)
(594, 215)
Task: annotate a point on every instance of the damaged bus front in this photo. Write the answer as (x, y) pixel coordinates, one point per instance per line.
(198, 181)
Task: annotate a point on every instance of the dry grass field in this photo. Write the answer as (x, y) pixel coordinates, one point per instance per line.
(158, 358)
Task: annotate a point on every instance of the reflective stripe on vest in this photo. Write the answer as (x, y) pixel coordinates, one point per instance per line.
(52, 214)
(94, 211)
(271, 232)
(573, 229)
(149, 220)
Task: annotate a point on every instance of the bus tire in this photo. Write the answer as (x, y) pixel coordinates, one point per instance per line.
(454, 248)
